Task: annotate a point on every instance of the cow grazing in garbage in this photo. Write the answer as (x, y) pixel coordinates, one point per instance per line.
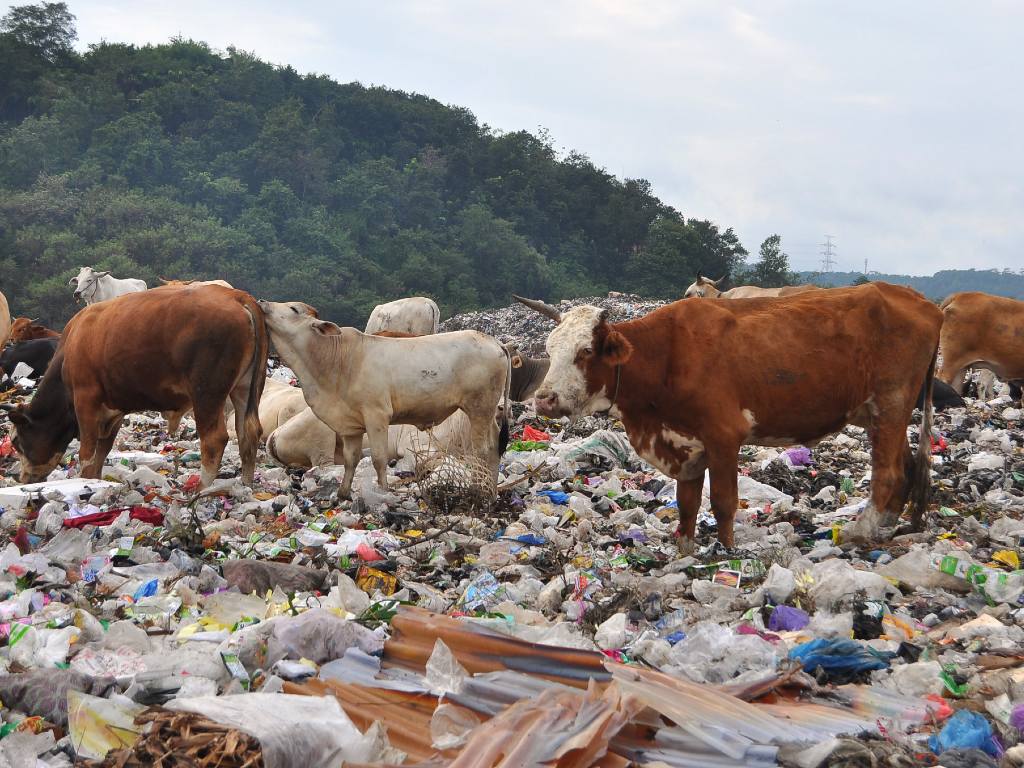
(981, 331)
(92, 287)
(416, 315)
(695, 380)
(168, 349)
(705, 288)
(527, 374)
(35, 353)
(360, 384)
(23, 329)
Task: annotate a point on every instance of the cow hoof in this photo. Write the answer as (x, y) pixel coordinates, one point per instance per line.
(686, 545)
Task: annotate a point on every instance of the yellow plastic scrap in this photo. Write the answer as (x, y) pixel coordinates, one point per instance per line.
(413, 533)
(1007, 557)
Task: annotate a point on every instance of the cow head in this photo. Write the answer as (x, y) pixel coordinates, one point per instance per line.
(40, 446)
(86, 284)
(585, 350)
(703, 287)
(20, 329)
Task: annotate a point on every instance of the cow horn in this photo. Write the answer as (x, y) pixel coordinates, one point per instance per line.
(539, 306)
(716, 282)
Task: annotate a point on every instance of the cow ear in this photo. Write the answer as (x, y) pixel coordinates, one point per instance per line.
(325, 328)
(517, 361)
(73, 281)
(616, 349)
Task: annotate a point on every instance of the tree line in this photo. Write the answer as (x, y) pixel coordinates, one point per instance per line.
(180, 161)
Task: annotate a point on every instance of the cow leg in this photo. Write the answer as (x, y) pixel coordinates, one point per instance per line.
(247, 430)
(377, 434)
(104, 442)
(688, 493)
(351, 451)
(213, 436)
(725, 497)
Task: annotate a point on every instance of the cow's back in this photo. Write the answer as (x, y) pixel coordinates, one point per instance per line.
(146, 350)
(800, 365)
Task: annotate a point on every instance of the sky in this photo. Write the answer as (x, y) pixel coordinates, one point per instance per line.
(894, 127)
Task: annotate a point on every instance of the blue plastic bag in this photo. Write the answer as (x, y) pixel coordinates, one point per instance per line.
(842, 657)
(146, 590)
(964, 730)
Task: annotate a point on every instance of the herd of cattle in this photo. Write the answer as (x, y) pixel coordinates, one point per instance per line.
(692, 381)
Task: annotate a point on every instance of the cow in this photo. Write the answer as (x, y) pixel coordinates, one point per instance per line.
(183, 283)
(416, 315)
(92, 287)
(527, 374)
(280, 403)
(981, 331)
(23, 329)
(305, 441)
(165, 350)
(5, 320)
(943, 396)
(694, 380)
(704, 287)
(360, 384)
(35, 353)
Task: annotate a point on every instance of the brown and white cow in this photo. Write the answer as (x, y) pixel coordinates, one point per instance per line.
(705, 288)
(24, 329)
(168, 349)
(695, 380)
(360, 384)
(981, 331)
(416, 315)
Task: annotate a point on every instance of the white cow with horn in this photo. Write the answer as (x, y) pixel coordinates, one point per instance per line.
(92, 286)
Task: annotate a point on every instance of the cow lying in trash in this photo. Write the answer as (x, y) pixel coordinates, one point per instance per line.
(360, 384)
(695, 380)
(168, 349)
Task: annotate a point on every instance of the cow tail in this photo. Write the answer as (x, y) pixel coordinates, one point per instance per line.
(922, 482)
(436, 312)
(261, 351)
(947, 301)
(505, 434)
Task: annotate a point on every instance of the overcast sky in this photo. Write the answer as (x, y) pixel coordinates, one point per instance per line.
(895, 127)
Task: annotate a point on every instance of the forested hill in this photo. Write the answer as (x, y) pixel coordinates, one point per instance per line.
(183, 162)
(937, 286)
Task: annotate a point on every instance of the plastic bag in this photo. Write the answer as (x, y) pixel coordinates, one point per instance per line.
(840, 660)
(964, 730)
(311, 731)
(785, 619)
(97, 725)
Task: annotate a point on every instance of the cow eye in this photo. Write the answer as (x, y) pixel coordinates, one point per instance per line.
(295, 309)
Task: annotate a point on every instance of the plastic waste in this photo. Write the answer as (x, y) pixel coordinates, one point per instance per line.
(444, 673)
(97, 725)
(840, 660)
(964, 730)
(785, 618)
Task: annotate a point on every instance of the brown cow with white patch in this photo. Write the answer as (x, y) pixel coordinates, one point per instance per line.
(24, 329)
(981, 331)
(695, 380)
(168, 349)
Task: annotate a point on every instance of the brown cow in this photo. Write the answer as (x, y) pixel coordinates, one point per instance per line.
(185, 283)
(695, 380)
(527, 374)
(167, 349)
(981, 331)
(23, 329)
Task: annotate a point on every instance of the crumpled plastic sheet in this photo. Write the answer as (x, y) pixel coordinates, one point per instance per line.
(44, 692)
(309, 731)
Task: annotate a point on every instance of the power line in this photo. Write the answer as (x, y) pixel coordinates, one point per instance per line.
(827, 263)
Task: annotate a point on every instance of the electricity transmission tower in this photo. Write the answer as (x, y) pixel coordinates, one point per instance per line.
(827, 263)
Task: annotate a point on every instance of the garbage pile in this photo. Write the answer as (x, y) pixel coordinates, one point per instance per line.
(143, 622)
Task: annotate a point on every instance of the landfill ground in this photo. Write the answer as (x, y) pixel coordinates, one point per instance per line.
(144, 623)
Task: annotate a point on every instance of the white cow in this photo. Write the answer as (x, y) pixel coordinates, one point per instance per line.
(706, 288)
(305, 441)
(417, 315)
(92, 287)
(186, 283)
(359, 384)
(280, 402)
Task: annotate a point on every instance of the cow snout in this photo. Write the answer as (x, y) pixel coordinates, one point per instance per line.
(546, 402)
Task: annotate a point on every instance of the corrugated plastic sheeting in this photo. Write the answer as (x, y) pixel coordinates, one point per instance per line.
(576, 727)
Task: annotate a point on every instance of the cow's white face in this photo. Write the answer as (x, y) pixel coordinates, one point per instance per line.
(564, 390)
(295, 322)
(702, 288)
(87, 284)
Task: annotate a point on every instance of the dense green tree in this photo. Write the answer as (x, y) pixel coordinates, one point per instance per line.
(772, 267)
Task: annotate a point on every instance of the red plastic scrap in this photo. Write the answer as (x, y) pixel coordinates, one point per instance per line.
(535, 435)
(150, 515)
(6, 448)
